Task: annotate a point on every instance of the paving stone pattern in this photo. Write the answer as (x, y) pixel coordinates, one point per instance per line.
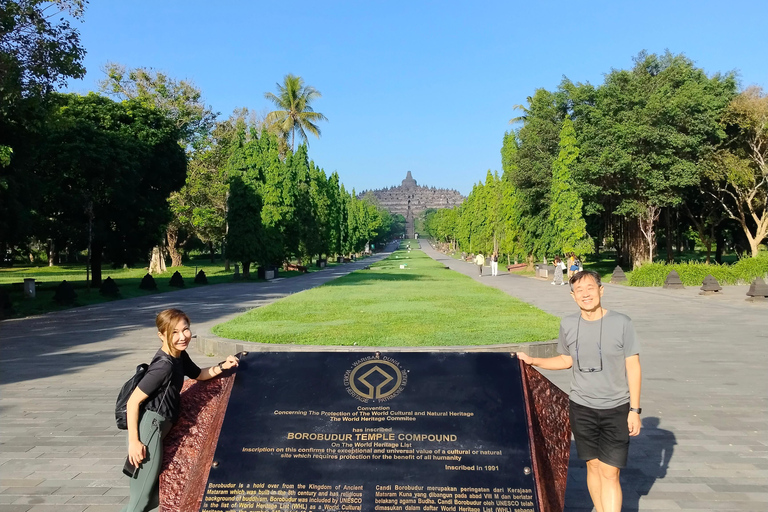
(703, 446)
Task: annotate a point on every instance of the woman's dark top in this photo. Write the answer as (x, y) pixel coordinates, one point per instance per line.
(162, 369)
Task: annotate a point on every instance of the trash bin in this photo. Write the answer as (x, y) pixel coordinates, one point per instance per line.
(29, 288)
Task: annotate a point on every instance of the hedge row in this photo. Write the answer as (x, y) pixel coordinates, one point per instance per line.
(693, 273)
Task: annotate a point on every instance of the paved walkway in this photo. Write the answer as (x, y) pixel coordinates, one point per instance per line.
(705, 384)
(704, 444)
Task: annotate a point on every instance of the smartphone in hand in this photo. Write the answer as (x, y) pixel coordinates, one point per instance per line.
(129, 469)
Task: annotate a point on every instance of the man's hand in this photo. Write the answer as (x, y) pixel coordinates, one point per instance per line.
(524, 357)
(634, 423)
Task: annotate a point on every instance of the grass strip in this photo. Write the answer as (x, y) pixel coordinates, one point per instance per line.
(422, 304)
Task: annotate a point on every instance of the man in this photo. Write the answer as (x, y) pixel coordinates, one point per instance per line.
(602, 350)
(480, 261)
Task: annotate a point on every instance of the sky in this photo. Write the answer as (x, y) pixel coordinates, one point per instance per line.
(420, 86)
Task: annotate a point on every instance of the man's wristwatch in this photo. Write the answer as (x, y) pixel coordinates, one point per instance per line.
(638, 410)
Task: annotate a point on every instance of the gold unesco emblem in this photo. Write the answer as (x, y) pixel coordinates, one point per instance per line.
(375, 378)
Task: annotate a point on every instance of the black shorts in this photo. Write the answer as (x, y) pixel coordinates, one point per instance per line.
(601, 434)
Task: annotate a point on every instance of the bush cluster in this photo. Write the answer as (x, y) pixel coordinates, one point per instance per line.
(692, 273)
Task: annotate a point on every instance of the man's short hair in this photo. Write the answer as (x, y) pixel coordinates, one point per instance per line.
(578, 276)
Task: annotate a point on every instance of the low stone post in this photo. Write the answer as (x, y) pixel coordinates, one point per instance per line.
(710, 286)
(758, 291)
(618, 275)
(673, 281)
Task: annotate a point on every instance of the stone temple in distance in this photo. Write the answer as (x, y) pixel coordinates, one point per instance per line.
(410, 199)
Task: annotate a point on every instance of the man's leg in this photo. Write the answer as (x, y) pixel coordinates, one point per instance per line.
(610, 488)
(594, 484)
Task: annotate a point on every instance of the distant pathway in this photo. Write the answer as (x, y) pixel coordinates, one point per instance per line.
(704, 445)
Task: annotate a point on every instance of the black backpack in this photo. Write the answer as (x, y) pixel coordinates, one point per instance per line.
(121, 406)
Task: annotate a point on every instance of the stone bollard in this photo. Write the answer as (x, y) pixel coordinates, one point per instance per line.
(29, 288)
(710, 286)
(673, 281)
(618, 275)
(758, 291)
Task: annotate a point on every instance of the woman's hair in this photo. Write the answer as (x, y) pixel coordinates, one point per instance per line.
(166, 322)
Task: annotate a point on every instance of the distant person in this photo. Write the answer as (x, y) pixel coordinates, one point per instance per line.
(480, 261)
(571, 260)
(495, 263)
(559, 267)
(153, 407)
(602, 351)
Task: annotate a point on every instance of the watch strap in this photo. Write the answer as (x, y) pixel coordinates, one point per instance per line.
(638, 410)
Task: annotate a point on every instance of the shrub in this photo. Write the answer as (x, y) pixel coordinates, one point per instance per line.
(692, 273)
(148, 283)
(109, 288)
(201, 278)
(176, 280)
(65, 293)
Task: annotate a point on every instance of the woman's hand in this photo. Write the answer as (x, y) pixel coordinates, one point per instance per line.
(137, 452)
(230, 362)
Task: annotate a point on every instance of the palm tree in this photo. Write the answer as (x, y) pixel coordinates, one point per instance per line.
(296, 114)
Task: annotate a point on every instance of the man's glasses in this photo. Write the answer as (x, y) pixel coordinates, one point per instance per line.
(599, 349)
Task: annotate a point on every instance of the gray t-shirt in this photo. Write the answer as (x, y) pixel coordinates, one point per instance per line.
(599, 389)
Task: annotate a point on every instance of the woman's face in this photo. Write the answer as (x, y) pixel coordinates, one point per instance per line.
(181, 336)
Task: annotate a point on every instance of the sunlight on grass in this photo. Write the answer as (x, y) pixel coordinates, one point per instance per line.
(423, 304)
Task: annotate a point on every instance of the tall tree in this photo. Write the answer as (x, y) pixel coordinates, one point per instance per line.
(740, 166)
(642, 136)
(107, 168)
(295, 114)
(39, 51)
(566, 219)
(179, 100)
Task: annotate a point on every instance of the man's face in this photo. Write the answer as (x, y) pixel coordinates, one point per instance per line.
(587, 293)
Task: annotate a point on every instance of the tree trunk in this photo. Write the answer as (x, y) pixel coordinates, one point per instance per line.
(246, 270)
(212, 251)
(157, 261)
(669, 231)
(719, 245)
(172, 236)
(51, 254)
(96, 265)
(530, 260)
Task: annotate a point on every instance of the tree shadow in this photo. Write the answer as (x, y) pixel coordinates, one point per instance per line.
(374, 276)
(649, 456)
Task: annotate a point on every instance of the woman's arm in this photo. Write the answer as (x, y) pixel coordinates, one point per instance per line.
(137, 452)
(213, 371)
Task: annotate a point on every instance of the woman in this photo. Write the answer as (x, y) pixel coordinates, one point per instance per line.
(495, 263)
(161, 390)
(571, 259)
(558, 279)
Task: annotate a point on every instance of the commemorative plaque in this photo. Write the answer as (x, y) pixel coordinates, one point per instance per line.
(387, 432)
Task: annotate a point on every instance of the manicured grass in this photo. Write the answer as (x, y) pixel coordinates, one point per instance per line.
(423, 304)
(48, 278)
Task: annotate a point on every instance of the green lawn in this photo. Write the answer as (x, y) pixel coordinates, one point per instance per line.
(423, 304)
(48, 278)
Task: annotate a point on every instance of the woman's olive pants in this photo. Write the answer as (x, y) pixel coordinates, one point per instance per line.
(145, 492)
